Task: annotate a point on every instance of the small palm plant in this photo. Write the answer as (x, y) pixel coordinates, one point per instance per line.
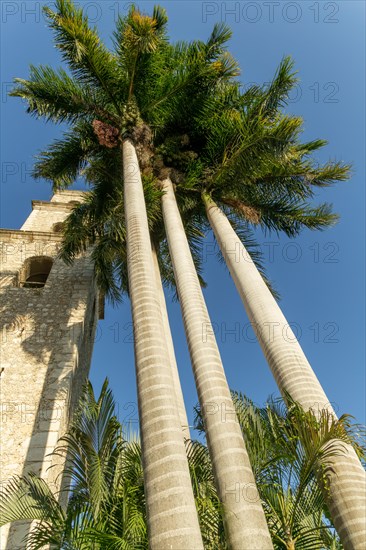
(291, 452)
(106, 506)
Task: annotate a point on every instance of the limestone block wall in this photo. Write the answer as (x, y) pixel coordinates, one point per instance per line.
(46, 337)
(45, 215)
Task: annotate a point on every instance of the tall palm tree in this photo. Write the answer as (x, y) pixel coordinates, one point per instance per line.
(244, 520)
(293, 374)
(253, 171)
(289, 365)
(168, 492)
(108, 86)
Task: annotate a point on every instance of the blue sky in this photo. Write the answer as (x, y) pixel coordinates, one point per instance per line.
(320, 276)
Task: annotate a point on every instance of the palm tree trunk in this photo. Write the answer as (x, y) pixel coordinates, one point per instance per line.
(169, 342)
(171, 512)
(294, 376)
(244, 519)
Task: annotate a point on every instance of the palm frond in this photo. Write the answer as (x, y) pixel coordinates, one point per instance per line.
(91, 63)
(57, 97)
(63, 162)
(277, 93)
(29, 498)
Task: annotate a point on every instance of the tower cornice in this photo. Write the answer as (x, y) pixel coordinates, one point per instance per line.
(52, 205)
(10, 234)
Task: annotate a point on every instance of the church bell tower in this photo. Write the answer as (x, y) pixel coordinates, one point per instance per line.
(49, 311)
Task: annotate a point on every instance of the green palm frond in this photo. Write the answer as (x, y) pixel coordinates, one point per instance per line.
(136, 38)
(29, 498)
(91, 63)
(291, 216)
(139, 33)
(93, 444)
(249, 151)
(208, 505)
(57, 97)
(65, 159)
(220, 35)
(110, 269)
(277, 93)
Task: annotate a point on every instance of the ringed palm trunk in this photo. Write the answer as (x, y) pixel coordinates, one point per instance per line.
(294, 376)
(244, 519)
(171, 512)
(170, 346)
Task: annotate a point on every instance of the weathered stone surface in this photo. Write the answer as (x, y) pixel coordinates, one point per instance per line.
(46, 337)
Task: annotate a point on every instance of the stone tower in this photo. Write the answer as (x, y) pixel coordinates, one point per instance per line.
(49, 312)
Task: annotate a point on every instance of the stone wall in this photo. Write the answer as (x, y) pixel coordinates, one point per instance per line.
(46, 344)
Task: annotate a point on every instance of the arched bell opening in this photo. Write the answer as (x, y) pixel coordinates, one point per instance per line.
(35, 272)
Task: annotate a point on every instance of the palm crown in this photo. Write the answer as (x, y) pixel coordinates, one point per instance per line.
(246, 154)
(186, 112)
(137, 90)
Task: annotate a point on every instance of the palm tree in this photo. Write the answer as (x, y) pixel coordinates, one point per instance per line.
(290, 451)
(244, 521)
(252, 170)
(108, 86)
(165, 467)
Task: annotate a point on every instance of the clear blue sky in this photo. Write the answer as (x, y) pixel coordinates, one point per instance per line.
(319, 275)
